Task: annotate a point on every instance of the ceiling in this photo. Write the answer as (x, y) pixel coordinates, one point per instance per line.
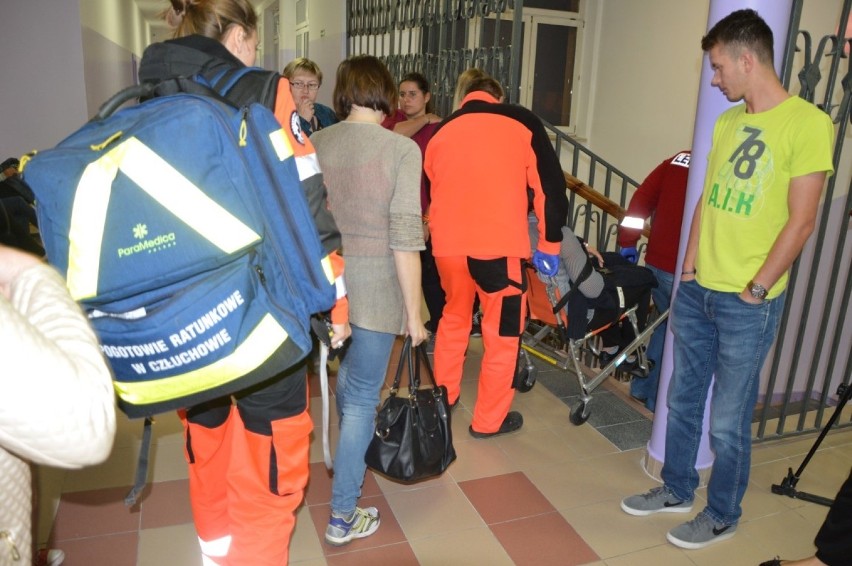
(151, 10)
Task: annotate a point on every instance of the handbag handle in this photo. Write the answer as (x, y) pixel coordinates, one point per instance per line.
(404, 359)
(413, 359)
(421, 356)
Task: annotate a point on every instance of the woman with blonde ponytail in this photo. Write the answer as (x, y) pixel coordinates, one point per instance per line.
(247, 453)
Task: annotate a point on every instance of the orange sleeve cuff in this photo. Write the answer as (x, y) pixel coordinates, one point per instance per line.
(340, 311)
(551, 248)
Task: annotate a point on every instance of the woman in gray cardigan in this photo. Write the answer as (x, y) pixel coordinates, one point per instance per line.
(373, 180)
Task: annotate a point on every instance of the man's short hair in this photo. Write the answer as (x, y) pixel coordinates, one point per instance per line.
(743, 28)
(486, 84)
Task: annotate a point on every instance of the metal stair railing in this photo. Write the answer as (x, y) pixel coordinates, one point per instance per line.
(593, 213)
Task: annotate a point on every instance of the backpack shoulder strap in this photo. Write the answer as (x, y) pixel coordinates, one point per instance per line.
(245, 85)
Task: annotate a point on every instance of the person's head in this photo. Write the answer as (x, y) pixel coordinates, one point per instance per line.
(305, 79)
(414, 97)
(737, 45)
(485, 84)
(363, 80)
(231, 22)
(463, 83)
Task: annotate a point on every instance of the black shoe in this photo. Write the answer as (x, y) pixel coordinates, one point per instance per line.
(513, 421)
(476, 326)
(454, 405)
(773, 562)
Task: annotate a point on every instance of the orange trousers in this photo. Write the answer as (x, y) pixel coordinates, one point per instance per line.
(248, 468)
(501, 286)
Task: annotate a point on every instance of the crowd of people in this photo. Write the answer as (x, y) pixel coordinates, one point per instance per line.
(446, 211)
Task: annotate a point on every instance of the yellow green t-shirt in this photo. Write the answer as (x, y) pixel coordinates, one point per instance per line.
(744, 203)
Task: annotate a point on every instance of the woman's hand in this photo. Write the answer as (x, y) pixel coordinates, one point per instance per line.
(592, 251)
(340, 333)
(305, 108)
(417, 331)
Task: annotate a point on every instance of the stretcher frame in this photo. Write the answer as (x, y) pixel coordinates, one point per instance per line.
(546, 338)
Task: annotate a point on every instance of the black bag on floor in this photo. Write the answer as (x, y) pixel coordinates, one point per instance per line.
(413, 439)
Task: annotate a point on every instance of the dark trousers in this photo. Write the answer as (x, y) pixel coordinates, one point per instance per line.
(433, 294)
(834, 539)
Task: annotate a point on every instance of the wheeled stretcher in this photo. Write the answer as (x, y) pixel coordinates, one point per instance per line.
(546, 337)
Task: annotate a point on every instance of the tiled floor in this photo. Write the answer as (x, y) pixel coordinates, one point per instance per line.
(547, 495)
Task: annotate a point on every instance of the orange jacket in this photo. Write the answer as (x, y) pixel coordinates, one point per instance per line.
(312, 182)
(483, 162)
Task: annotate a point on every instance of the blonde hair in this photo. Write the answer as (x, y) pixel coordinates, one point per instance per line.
(464, 81)
(302, 64)
(210, 18)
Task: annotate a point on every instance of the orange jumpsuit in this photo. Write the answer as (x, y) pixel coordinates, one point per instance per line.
(484, 163)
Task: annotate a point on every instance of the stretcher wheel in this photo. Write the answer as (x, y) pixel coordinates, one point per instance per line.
(579, 414)
(526, 378)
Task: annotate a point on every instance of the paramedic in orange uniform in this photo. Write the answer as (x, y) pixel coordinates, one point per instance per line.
(248, 456)
(482, 163)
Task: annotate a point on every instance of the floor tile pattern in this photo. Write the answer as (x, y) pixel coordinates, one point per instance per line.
(546, 495)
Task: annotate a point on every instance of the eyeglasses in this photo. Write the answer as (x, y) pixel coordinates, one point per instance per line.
(301, 86)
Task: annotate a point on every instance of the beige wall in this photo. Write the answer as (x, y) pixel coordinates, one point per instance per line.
(119, 21)
(43, 95)
(648, 62)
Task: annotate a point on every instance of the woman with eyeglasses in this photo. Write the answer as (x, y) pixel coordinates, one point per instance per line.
(305, 80)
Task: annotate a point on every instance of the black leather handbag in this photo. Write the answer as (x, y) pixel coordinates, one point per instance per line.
(413, 439)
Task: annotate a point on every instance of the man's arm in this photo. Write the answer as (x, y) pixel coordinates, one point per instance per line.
(688, 269)
(802, 203)
(642, 205)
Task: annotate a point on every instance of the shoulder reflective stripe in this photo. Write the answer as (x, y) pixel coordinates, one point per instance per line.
(327, 269)
(258, 346)
(308, 166)
(633, 222)
(165, 184)
(281, 144)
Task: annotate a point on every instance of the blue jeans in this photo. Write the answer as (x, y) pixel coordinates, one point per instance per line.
(646, 388)
(715, 333)
(359, 381)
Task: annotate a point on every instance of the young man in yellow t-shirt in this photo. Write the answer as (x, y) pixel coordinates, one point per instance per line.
(765, 174)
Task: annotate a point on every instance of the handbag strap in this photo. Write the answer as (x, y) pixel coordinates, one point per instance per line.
(422, 358)
(404, 360)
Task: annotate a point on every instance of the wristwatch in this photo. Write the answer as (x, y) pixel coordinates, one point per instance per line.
(757, 290)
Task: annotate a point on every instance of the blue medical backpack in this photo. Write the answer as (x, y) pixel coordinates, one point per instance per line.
(182, 229)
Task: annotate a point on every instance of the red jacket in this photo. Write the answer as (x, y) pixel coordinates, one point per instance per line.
(482, 162)
(662, 194)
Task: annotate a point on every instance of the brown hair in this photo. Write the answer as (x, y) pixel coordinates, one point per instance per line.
(742, 29)
(302, 64)
(363, 80)
(210, 18)
(422, 83)
(485, 84)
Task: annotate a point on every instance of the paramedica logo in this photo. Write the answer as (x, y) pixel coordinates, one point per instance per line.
(151, 245)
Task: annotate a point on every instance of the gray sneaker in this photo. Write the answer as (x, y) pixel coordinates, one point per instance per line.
(700, 532)
(362, 523)
(657, 500)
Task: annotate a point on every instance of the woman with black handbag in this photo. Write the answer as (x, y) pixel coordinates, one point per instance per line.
(373, 180)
